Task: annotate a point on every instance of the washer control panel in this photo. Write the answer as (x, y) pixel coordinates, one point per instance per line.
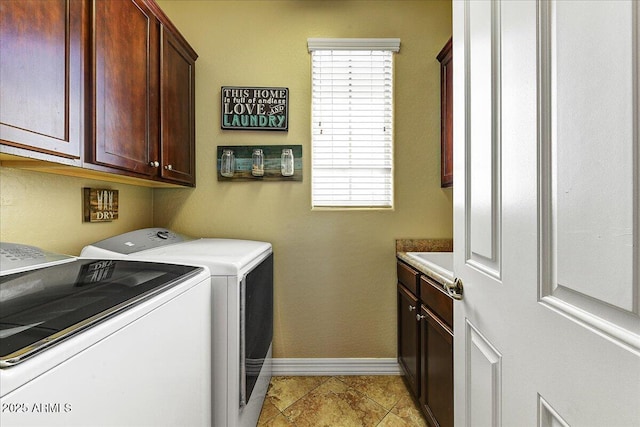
(15, 258)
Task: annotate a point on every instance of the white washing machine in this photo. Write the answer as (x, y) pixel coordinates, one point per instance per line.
(102, 342)
(242, 305)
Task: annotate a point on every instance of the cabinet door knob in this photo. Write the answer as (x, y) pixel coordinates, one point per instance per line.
(419, 317)
(154, 164)
(411, 308)
(168, 167)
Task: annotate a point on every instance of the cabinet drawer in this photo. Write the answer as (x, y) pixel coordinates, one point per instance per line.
(436, 299)
(408, 277)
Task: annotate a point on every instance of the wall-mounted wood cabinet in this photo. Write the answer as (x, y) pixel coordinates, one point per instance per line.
(446, 115)
(177, 108)
(143, 89)
(125, 52)
(41, 77)
(425, 343)
(123, 89)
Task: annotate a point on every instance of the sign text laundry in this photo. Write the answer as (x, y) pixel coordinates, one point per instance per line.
(255, 108)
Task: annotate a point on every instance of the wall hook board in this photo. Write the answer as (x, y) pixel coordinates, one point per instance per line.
(259, 162)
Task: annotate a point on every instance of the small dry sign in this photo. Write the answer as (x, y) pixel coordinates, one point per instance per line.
(100, 204)
(255, 108)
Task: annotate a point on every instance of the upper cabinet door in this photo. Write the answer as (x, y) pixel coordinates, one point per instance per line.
(125, 61)
(446, 115)
(177, 108)
(41, 66)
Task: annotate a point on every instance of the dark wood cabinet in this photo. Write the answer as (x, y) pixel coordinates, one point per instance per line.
(125, 38)
(144, 108)
(409, 338)
(436, 299)
(446, 115)
(408, 332)
(41, 76)
(425, 343)
(107, 86)
(436, 360)
(177, 109)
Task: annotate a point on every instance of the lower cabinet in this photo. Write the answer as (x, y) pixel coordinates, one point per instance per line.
(436, 369)
(425, 343)
(408, 338)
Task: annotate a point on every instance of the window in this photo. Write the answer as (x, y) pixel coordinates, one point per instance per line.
(352, 122)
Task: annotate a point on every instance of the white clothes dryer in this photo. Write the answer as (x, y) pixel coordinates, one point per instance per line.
(242, 307)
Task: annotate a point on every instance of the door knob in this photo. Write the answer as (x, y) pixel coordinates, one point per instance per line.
(419, 317)
(168, 167)
(411, 308)
(456, 290)
(154, 164)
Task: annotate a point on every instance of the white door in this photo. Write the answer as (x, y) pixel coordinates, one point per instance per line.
(546, 206)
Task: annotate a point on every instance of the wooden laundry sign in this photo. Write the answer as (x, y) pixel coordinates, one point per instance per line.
(100, 204)
(255, 108)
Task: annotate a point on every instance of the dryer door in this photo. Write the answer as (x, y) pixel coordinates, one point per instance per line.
(257, 325)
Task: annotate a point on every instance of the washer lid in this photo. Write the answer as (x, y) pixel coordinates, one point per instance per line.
(42, 307)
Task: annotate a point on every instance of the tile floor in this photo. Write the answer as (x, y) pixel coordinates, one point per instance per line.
(339, 401)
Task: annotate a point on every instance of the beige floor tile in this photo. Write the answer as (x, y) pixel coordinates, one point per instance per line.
(279, 421)
(407, 410)
(283, 391)
(335, 404)
(386, 390)
(392, 420)
(269, 412)
(343, 401)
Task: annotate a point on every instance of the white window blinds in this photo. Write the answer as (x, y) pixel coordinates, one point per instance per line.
(352, 115)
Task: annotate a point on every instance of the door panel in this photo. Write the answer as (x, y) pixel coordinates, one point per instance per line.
(548, 416)
(483, 140)
(548, 332)
(594, 216)
(589, 234)
(484, 372)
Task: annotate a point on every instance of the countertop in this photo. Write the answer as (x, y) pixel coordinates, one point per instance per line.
(429, 268)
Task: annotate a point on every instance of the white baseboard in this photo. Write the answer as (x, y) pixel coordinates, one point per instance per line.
(314, 366)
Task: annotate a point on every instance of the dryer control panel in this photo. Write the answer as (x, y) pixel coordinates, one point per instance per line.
(140, 240)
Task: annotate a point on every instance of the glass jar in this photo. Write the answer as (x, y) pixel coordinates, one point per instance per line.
(257, 162)
(227, 163)
(286, 163)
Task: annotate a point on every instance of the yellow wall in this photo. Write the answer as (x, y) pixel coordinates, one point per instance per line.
(335, 287)
(45, 210)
